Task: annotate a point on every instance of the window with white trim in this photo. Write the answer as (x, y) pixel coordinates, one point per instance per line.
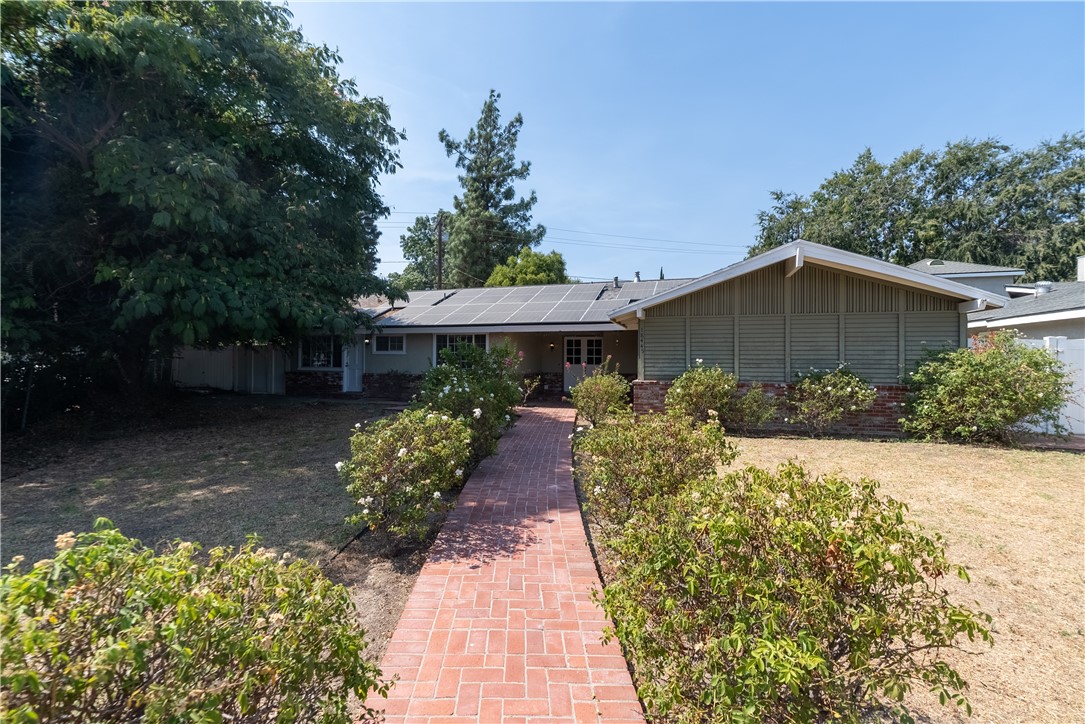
(320, 352)
(390, 344)
(457, 341)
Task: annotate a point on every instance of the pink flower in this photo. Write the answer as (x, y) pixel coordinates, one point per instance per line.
(567, 365)
(520, 354)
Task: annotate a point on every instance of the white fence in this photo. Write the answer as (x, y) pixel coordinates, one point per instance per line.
(1071, 352)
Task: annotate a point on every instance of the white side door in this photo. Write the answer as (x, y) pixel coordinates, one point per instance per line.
(582, 356)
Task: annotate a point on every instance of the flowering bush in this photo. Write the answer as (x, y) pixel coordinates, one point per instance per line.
(628, 459)
(701, 392)
(601, 394)
(988, 392)
(821, 398)
(480, 386)
(108, 631)
(700, 389)
(777, 597)
(402, 469)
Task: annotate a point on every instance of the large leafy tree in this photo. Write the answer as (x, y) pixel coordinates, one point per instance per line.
(180, 172)
(529, 267)
(974, 201)
(419, 246)
(490, 222)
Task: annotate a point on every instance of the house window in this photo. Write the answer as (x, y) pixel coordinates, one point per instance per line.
(323, 352)
(390, 344)
(457, 341)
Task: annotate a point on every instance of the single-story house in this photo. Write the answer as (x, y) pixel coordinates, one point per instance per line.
(989, 278)
(798, 306)
(1049, 315)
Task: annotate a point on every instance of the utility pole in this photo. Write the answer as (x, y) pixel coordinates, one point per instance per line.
(440, 251)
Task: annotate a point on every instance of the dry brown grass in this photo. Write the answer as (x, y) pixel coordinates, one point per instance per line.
(217, 470)
(1016, 520)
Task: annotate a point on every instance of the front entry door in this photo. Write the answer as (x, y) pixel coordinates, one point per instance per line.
(582, 356)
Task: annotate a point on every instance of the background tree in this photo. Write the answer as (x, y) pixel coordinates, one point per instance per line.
(530, 267)
(975, 201)
(190, 173)
(490, 223)
(420, 250)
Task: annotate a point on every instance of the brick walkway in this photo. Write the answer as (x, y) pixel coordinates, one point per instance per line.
(500, 626)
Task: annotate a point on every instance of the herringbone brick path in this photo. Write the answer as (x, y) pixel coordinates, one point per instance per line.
(500, 626)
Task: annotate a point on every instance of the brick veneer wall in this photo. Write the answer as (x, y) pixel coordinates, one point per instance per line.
(879, 421)
(312, 382)
(551, 386)
(399, 386)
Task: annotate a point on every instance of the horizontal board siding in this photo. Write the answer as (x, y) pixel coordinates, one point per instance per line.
(866, 295)
(712, 339)
(664, 344)
(922, 302)
(814, 290)
(761, 349)
(716, 300)
(929, 331)
(815, 341)
(871, 346)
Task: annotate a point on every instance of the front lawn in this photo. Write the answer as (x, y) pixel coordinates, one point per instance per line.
(1014, 518)
(214, 471)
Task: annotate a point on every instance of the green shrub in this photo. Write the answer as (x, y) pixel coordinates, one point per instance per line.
(700, 389)
(626, 460)
(749, 411)
(402, 469)
(778, 597)
(107, 631)
(703, 392)
(480, 386)
(600, 395)
(821, 398)
(988, 392)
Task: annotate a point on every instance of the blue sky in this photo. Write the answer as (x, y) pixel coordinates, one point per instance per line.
(673, 122)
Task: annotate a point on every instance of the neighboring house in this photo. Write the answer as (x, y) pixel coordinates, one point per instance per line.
(799, 306)
(992, 279)
(1050, 315)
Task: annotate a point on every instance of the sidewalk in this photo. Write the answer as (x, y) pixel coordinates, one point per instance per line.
(500, 626)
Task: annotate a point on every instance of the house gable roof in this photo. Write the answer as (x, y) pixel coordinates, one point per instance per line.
(1066, 300)
(796, 253)
(945, 268)
(553, 306)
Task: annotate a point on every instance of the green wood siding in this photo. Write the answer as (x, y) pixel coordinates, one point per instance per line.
(664, 344)
(773, 326)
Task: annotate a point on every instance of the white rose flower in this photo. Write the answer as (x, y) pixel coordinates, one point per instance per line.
(357, 426)
(436, 495)
(477, 412)
(365, 511)
(402, 451)
(339, 466)
(459, 472)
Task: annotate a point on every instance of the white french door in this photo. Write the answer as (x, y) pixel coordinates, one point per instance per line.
(582, 356)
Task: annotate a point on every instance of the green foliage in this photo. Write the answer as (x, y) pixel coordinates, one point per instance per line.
(986, 393)
(973, 201)
(490, 224)
(600, 395)
(627, 460)
(402, 469)
(480, 386)
(420, 250)
(180, 173)
(529, 268)
(750, 410)
(821, 398)
(702, 391)
(107, 631)
(778, 597)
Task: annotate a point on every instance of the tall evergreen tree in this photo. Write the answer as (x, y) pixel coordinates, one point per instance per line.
(974, 201)
(490, 223)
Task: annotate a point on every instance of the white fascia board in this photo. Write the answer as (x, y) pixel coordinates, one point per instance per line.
(829, 257)
(507, 328)
(1028, 319)
(953, 275)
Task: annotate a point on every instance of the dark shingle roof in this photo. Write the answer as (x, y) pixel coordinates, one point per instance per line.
(493, 306)
(1063, 297)
(941, 267)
